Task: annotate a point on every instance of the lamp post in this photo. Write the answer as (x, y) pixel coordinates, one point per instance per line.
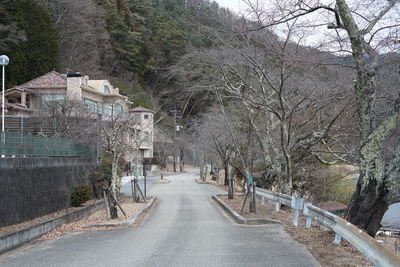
(4, 60)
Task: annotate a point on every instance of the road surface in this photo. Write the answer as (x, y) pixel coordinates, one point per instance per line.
(186, 228)
(391, 219)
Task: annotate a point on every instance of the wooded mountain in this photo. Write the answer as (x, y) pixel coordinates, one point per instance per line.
(130, 42)
(133, 43)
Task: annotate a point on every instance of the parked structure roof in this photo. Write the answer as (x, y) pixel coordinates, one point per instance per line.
(141, 109)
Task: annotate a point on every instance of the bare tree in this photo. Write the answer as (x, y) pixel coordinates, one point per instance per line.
(71, 120)
(115, 130)
(162, 147)
(220, 140)
(81, 25)
(286, 107)
(366, 31)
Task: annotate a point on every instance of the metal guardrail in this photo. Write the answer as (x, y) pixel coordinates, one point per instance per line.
(389, 231)
(367, 245)
(279, 198)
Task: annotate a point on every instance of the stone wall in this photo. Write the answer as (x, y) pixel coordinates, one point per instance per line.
(33, 187)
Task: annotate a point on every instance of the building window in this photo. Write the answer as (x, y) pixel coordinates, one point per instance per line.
(147, 138)
(136, 117)
(117, 109)
(107, 109)
(53, 97)
(100, 108)
(110, 109)
(146, 116)
(90, 104)
(107, 89)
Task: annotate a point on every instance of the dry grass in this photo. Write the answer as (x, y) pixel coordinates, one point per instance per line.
(128, 207)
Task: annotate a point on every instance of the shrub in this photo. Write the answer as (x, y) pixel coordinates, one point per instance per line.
(97, 182)
(80, 195)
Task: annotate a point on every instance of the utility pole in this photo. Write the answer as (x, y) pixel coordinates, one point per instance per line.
(4, 61)
(176, 129)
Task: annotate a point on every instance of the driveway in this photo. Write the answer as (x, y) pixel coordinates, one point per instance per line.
(186, 228)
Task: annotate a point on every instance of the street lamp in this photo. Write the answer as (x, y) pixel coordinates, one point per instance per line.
(4, 60)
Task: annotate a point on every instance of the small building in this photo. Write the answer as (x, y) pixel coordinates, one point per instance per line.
(145, 117)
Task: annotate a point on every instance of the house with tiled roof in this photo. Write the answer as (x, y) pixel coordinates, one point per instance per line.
(99, 96)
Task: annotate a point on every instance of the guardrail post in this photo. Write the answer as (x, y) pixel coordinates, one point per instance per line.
(277, 206)
(338, 238)
(296, 218)
(263, 200)
(297, 205)
(308, 222)
(305, 212)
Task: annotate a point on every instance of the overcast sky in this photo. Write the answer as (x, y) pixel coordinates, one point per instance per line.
(231, 4)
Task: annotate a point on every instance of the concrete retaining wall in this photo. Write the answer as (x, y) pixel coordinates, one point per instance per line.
(33, 187)
(16, 239)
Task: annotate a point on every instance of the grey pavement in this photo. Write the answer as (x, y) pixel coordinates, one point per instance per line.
(127, 187)
(186, 228)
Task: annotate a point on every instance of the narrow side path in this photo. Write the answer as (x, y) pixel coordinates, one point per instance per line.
(186, 228)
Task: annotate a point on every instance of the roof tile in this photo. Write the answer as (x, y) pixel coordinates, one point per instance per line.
(50, 79)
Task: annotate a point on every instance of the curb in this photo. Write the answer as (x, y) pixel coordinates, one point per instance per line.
(135, 218)
(19, 238)
(238, 218)
(131, 221)
(167, 181)
(199, 181)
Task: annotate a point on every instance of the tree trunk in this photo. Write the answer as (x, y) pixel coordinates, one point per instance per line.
(286, 186)
(370, 200)
(195, 156)
(113, 205)
(226, 167)
(174, 167)
(231, 190)
(182, 152)
(368, 205)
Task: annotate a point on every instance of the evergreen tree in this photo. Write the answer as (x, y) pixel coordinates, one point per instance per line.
(39, 53)
(168, 41)
(127, 39)
(9, 34)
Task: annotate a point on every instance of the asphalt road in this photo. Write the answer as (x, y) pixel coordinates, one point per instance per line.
(127, 187)
(186, 228)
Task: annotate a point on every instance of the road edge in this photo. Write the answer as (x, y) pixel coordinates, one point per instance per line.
(238, 218)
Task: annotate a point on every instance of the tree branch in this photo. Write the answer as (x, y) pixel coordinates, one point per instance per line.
(381, 14)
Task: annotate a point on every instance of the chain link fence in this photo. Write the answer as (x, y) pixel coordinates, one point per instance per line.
(21, 144)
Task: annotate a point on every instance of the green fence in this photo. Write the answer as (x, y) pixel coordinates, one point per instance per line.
(28, 145)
